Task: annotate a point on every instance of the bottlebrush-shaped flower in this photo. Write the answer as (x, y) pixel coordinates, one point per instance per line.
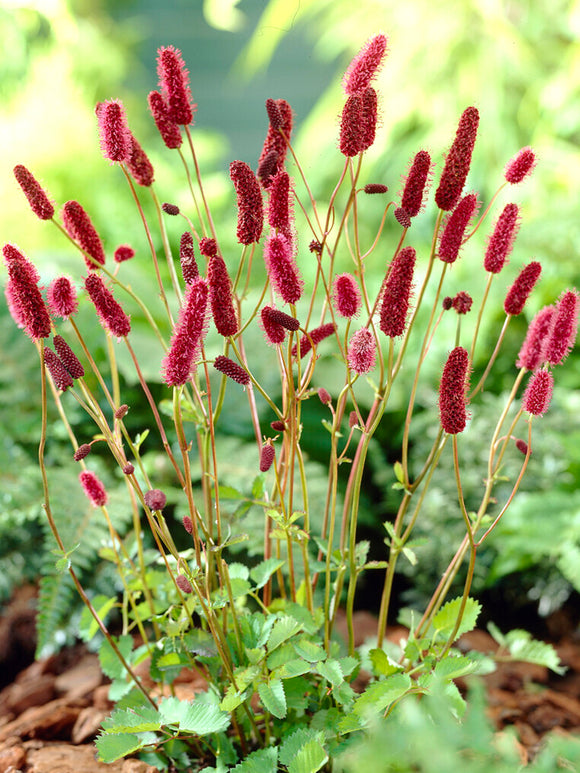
(61, 297)
(362, 351)
(25, 302)
(455, 228)
(346, 295)
(114, 132)
(174, 84)
(538, 394)
(139, 165)
(187, 524)
(123, 252)
(520, 166)
(155, 499)
(250, 207)
(313, 338)
(531, 355)
(502, 239)
(110, 312)
(208, 247)
(350, 142)
(275, 148)
(365, 65)
(79, 227)
(397, 293)
(82, 452)
(458, 160)
(170, 209)
(452, 392)
(373, 188)
(416, 183)
(189, 269)
(519, 292)
(68, 358)
(275, 323)
(232, 370)
(36, 196)
(267, 455)
(563, 328)
(168, 129)
(93, 488)
(188, 336)
(183, 584)
(369, 107)
(282, 271)
(220, 294)
(279, 202)
(60, 375)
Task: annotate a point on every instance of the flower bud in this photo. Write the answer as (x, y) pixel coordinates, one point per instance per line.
(155, 499)
(452, 392)
(536, 399)
(60, 375)
(36, 196)
(520, 166)
(68, 358)
(458, 161)
(183, 584)
(61, 297)
(93, 488)
(231, 369)
(123, 252)
(187, 524)
(324, 396)
(189, 269)
(266, 457)
(81, 452)
(170, 209)
(365, 65)
(79, 227)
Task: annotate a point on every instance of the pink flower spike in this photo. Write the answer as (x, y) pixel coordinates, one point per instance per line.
(416, 183)
(139, 165)
(267, 455)
(369, 107)
(123, 252)
(232, 370)
(111, 314)
(93, 488)
(452, 392)
(455, 227)
(458, 161)
(183, 584)
(189, 269)
(284, 277)
(362, 351)
(208, 247)
(168, 129)
(520, 166)
(35, 194)
(68, 358)
(563, 328)
(61, 297)
(221, 299)
(365, 65)
(501, 241)
(519, 292)
(25, 302)
(397, 293)
(113, 131)
(279, 202)
(174, 83)
(180, 360)
(79, 227)
(346, 296)
(350, 142)
(275, 148)
(60, 375)
(538, 394)
(373, 188)
(250, 207)
(531, 355)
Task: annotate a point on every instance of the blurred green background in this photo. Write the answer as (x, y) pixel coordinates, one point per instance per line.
(517, 61)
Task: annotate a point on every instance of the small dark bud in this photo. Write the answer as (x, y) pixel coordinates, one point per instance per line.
(81, 452)
(128, 469)
(522, 446)
(170, 209)
(447, 303)
(187, 524)
(324, 396)
(352, 419)
(278, 426)
(315, 246)
(375, 188)
(183, 584)
(266, 457)
(155, 499)
(121, 412)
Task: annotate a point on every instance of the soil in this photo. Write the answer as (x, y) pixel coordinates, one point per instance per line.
(50, 710)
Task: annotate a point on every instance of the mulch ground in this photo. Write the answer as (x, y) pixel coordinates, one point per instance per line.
(51, 710)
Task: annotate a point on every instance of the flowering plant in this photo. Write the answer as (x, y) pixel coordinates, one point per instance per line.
(279, 680)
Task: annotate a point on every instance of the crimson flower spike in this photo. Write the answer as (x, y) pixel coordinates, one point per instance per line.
(110, 313)
(68, 358)
(458, 161)
(455, 228)
(174, 83)
(220, 294)
(189, 267)
(35, 194)
(520, 166)
(60, 375)
(250, 207)
(397, 293)
(275, 148)
(519, 292)
(350, 142)
(25, 302)
(346, 295)
(282, 271)
(362, 351)
(563, 328)
(452, 391)
(61, 297)
(168, 129)
(538, 394)
(502, 239)
(232, 370)
(93, 488)
(279, 202)
(188, 335)
(267, 455)
(369, 107)
(79, 227)
(416, 183)
(531, 355)
(139, 165)
(114, 132)
(365, 65)
(275, 323)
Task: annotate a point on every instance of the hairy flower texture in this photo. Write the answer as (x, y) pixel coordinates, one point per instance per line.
(314, 337)
(25, 302)
(208, 247)
(362, 351)
(60, 375)
(315, 247)
(187, 524)
(346, 295)
(402, 217)
(220, 295)
(114, 132)
(452, 391)
(350, 142)
(93, 488)
(455, 228)
(563, 328)
(155, 499)
(68, 358)
(111, 314)
(275, 323)
(189, 269)
(183, 584)
(36, 196)
(324, 396)
(502, 239)
(82, 451)
(250, 207)
(462, 302)
(232, 370)
(373, 188)
(531, 355)
(536, 398)
(168, 129)
(416, 184)
(267, 455)
(139, 165)
(458, 161)
(365, 65)
(80, 228)
(520, 166)
(397, 293)
(519, 292)
(187, 338)
(279, 202)
(274, 149)
(369, 106)
(281, 266)
(170, 209)
(61, 297)
(123, 252)
(174, 84)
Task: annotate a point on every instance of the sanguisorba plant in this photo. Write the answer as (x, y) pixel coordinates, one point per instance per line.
(263, 634)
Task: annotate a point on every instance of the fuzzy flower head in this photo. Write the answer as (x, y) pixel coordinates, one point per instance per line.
(531, 355)
(369, 107)
(189, 269)
(462, 302)
(416, 183)
(563, 328)
(61, 297)
(282, 270)
(519, 292)
(275, 323)
(502, 239)
(110, 313)
(221, 299)
(114, 132)
(365, 65)
(455, 227)
(397, 293)
(351, 123)
(538, 394)
(279, 202)
(93, 488)
(346, 296)
(168, 129)
(155, 499)
(208, 247)
(452, 391)
(174, 84)
(36, 196)
(123, 252)
(185, 346)
(60, 375)
(275, 145)
(362, 351)
(79, 227)
(520, 166)
(139, 165)
(250, 207)
(458, 161)
(232, 370)
(25, 301)
(68, 358)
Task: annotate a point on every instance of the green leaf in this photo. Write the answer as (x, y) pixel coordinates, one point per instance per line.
(199, 717)
(379, 695)
(293, 668)
(140, 720)
(114, 747)
(522, 646)
(261, 573)
(382, 665)
(109, 660)
(140, 439)
(273, 697)
(261, 761)
(229, 492)
(88, 626)
(309, 650)
(283, 629)
(452, 667)
(398, 468)
(331, 671)
(311, 757)
(259, 486)
(444, 621)
(348, 664)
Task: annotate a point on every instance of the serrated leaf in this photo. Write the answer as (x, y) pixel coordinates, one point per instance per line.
(382, 665)
(140, 720)
(309, 650)
(283, 629)
(62, 565)
(292, 744)
(379, 695)
(293, 668)
(522, 646)
(261, 761)
(348, 664)
(203, 718)
(113, 747)
(331, 671)
(261, 573)
(444, 621)
(229, 492)
(88, 626)
(273, 697)
(233, 698)
(452, 667)
(111, 666)
(309, 759)
(259, 486)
